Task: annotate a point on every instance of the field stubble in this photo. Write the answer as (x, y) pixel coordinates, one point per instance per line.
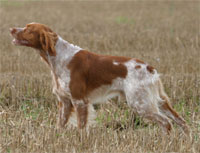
(164, 34)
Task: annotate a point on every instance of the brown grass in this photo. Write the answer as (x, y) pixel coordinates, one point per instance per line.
(164, 34)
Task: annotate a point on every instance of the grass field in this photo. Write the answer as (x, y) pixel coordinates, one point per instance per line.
(164, 34)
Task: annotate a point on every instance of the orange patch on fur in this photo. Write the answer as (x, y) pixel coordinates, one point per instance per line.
(41, 37)
(150, 69)
(137, 67)
(60, 105)
(89, 71)
(82, 114)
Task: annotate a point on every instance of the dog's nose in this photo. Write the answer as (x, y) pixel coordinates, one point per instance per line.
(13, 30)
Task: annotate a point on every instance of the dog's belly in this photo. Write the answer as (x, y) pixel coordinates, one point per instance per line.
(103, 94)
(99, 95)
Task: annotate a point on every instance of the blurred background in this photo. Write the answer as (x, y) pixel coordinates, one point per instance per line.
(165, 34)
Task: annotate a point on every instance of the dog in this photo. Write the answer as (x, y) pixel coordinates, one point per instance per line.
(82, 78)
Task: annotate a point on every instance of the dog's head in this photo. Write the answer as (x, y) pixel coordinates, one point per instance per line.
(35, 35)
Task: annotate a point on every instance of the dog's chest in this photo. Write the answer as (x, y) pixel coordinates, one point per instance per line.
(61, 80)
(60, 75)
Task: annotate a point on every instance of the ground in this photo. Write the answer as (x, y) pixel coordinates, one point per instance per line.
(165, 34)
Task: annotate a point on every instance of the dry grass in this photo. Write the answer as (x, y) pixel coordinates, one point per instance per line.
(164, 34)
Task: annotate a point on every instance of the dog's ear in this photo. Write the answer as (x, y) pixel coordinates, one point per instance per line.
(48, 41)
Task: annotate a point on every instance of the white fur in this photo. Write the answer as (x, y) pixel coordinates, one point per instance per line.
(115, 63)
(140, 87)
(65, 52)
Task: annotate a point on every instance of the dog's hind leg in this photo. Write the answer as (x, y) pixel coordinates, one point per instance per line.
(166, 108)
(145, 102)
(161, 120)
(172, 114)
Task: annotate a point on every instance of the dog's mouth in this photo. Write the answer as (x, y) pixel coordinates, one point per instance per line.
(19, 42)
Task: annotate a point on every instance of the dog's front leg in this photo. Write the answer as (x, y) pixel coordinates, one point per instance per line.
(81, 108)
(65, 109)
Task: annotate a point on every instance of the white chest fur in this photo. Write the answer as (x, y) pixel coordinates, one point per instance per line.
(59, 71)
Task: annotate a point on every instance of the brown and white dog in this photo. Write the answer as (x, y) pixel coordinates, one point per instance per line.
(82, 78)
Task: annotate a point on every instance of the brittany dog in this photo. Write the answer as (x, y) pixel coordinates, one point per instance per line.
(82, 78)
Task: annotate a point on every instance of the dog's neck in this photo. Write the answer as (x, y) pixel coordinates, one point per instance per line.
(64, 53)
(65, 48)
